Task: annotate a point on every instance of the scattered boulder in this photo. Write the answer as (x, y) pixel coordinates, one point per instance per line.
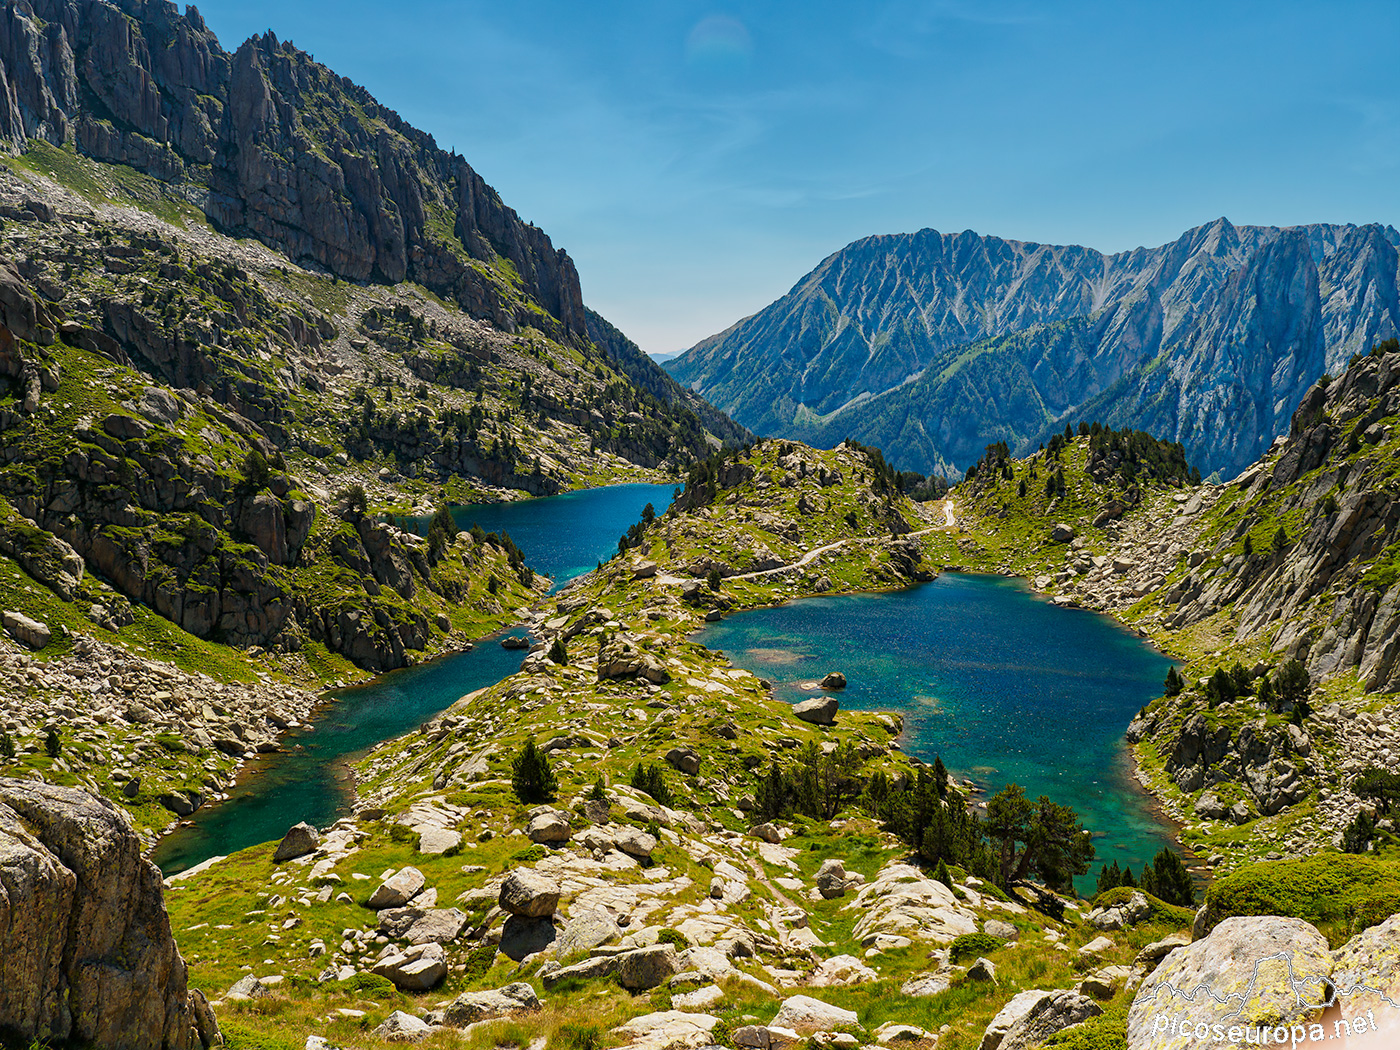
(547, 828)
(833, 680)
(1258, 969)
(436, 841)
(25, 630)
(414, 969)
(982, 970)
(623, 657)
(1061, 533)
(646, 968)
(398, 889)
(1032, 1017)
(299, 840)
(1211, 806)
(529, 894)
(806, 1015)
(1095, 948)
(400, 1027)
(1002, 931)
(767, 832)
(684, 760)
(1137, 908)
(820, 710)
(1159, 950)
(181, 803)
(248, 987)
(892, 1033)
(832, 880)
(437, 926)
(586, 931)
(667, 1030)
(927, 984)
(470, 1007)
(634, 842)
(841, 970)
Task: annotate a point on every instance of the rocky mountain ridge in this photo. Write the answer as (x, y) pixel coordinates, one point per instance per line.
(269, 143)
(933, 345)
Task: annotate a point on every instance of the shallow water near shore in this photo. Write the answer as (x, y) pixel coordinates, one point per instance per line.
(561, 537)
(1001, 683)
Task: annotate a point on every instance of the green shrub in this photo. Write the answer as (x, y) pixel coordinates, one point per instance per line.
(1344, 891)
(673, 937)
(236, 1037)
(170, 742)
(371, 985)
(1107, 1031)
(531, 854)
(478, 961)
(401, 833)
(972, 944)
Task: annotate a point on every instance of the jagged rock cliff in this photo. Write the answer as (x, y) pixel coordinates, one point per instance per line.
(1326, 592)
(272, 144)
(933, 345)
(86, 952)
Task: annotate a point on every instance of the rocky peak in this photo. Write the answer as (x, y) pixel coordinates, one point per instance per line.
(932, 346)
(275, 145)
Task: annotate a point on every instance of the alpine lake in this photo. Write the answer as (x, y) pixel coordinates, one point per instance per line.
(1001, 684)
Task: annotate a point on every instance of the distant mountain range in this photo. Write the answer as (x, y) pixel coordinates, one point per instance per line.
(933, 345)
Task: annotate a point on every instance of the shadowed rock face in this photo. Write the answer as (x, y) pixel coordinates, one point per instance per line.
(86, 951)
(273, 144)
(933, 345)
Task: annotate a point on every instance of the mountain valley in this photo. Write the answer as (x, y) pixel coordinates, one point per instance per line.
(266, 351)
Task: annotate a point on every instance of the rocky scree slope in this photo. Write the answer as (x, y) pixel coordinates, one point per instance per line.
(269, 143)
(932, 346)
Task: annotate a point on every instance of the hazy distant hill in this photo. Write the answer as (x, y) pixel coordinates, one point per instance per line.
(933, 345)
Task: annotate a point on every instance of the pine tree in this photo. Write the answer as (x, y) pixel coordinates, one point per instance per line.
(1167, 879)
(1174, 683)
(1268, 700)
(559, 653)
(531, 776)
(942, 874)
(52, 743)
(940, 776)
(1109, 877)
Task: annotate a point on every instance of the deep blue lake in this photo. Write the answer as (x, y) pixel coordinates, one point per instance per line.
(566, 536)
(1002, 684)
(561, 537)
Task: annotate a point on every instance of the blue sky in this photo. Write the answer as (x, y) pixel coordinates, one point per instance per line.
(697, 159)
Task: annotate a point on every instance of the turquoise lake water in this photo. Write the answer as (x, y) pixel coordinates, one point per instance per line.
(1005, 686)
(561, 537)
(1002, 684)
